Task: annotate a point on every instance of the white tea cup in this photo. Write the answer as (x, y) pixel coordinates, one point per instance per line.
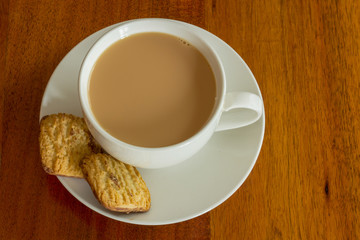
(144, 157)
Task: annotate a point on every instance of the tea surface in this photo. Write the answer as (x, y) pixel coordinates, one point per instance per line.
(152, 90)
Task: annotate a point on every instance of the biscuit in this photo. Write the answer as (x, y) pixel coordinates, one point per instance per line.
(64, 141)
(118, 186)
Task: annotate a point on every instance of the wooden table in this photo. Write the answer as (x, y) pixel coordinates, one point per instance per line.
(305, 57)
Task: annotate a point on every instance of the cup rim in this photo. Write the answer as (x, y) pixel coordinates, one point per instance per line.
(86, 108)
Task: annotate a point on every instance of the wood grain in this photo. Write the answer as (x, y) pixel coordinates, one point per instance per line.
(305, 57)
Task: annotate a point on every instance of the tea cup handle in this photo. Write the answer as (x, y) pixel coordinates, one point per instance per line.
(240, 109)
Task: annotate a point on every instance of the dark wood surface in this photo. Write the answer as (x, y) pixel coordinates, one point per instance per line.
(305, 57)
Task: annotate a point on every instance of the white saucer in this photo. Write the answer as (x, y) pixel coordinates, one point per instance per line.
(192, 187)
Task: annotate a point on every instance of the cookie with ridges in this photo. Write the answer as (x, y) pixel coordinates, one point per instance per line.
(64, 141)
(117, 185)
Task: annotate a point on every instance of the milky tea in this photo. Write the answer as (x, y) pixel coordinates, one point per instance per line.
(152, 90)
